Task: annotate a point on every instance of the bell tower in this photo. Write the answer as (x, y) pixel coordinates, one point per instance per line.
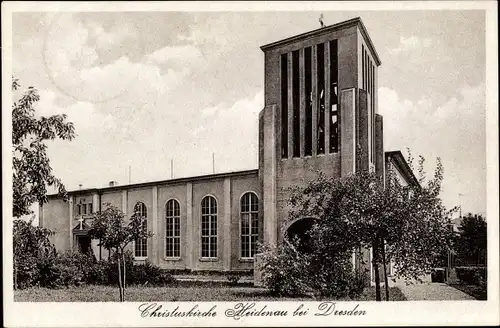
(320, 113)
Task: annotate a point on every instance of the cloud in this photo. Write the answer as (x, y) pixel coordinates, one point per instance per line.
(66, 45)
(455, 131)
(83, 114)
(231, 132)
(117, 34)
(183, 55)
(411, 43)
(209, 111)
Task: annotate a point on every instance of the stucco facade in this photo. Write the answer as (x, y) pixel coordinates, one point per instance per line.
(320, 114)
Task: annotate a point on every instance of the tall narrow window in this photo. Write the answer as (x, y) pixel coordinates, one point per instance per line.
(308, 100)
(89, 206)
(141, 244)
(84, 209)
(249, 210)
(284, 106)
(172, 229)
(363, 66)
(373, 108)
(366, 71)
(321, 98)
(334, 99)
(296, 103)
(79, 209)
(370, 91)
(209, 227)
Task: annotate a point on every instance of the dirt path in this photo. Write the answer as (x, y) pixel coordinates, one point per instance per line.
(428, 291)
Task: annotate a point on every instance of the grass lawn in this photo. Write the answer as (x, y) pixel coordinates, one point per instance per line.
(479, 293)
(198, 292)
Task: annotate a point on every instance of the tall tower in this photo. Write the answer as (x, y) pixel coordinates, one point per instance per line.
(320, 113)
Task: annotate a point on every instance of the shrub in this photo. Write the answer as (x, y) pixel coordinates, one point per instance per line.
(285, 271)
(26, 272)
(60, 270)
(290, 272)
(84, 263)
(99, 273)
(138, 274)
(150, 274)
(30, 245)
(112, 270)
(472, 275)
(336, 276)
(233, 278)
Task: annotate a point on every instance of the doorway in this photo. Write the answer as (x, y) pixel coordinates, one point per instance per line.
(300, 230)
(84, 244)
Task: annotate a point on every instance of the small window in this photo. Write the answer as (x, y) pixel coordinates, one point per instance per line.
(89, 210)
(209, 227)
(84, 209)
(249, 211)
(79, 209)
(173, 229)
(141, 245)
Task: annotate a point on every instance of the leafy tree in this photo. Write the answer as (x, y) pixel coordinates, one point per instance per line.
(113, 233)
(31, 166)
(471, 241)
(403, 223)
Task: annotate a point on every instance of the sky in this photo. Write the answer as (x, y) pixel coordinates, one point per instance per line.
(145, 88)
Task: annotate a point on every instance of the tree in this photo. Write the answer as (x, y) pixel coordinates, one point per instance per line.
(471, 241)
(404, 223)
(421, 232)
(32, 172)
(113, 233)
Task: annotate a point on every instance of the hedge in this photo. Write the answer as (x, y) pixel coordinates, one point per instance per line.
(472, 275)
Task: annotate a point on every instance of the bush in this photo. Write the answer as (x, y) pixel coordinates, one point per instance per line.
(150, 274)
(472, 275)
(58, 270)
(285, 272)
(31, 245)
(99, 273)
(290, 272)
(138, 274)
(233, 278)
(26, 272)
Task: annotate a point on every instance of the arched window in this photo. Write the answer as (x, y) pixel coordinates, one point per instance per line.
(249, 215)
(209, 227)
(141, 245)
(173, 229)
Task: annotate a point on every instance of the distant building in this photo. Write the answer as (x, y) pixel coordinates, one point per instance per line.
(320, 109)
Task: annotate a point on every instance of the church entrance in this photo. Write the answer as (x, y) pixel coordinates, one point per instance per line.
(84, 244)
(300, 230)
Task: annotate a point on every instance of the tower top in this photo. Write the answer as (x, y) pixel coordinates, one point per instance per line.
(325, 30)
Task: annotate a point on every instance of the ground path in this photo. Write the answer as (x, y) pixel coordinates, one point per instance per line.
(432, 291)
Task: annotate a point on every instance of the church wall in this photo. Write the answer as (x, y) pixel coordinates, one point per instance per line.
(179, 193)
(114, 198)
(214, 188)
(239, 186)
(145, 196)
(56, 218)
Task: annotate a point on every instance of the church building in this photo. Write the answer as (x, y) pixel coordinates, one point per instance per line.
(320, 114)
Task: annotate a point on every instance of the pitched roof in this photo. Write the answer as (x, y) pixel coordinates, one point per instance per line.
(160, 182)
